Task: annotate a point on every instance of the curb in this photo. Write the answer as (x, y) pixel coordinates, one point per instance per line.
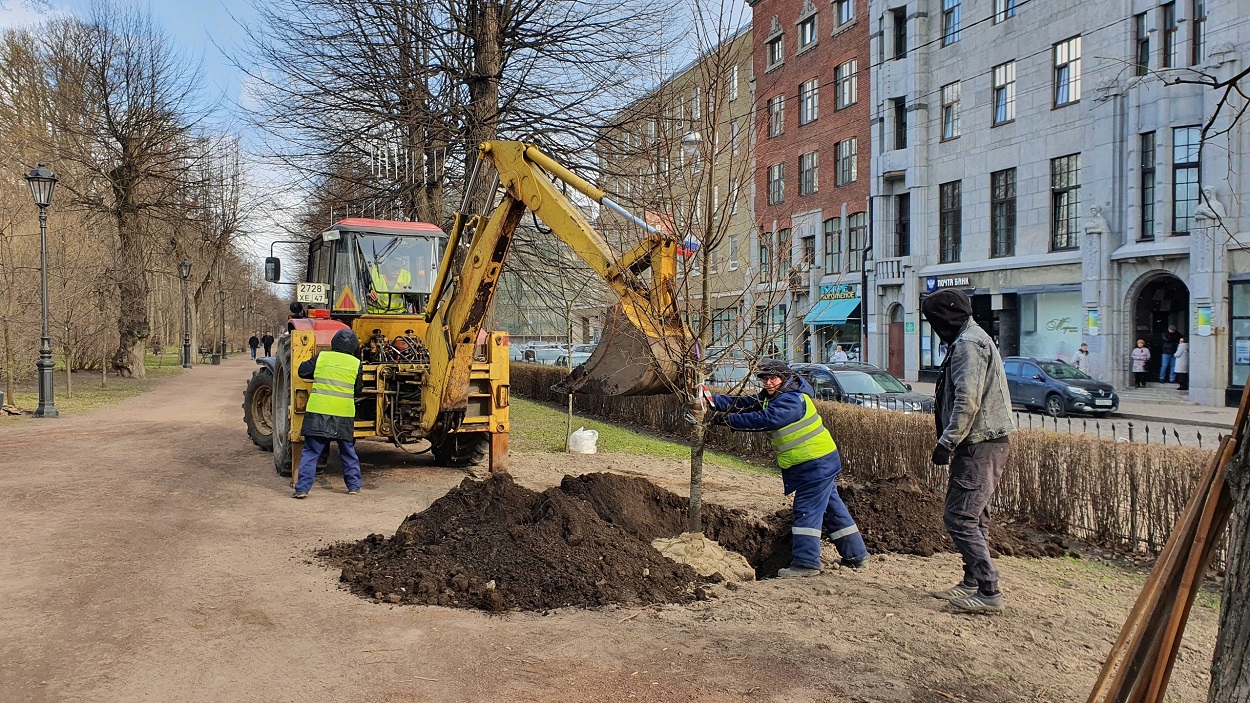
(1227, 427)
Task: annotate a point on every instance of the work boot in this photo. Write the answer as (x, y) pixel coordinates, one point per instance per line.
(956, 592)
(854, 563)
(300, 494)
(980, 603)
(791, 572)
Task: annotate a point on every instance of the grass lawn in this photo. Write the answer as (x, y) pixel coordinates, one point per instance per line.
(540, 428)
(88, 395)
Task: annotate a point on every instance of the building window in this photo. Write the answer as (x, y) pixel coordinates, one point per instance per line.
(844, 81)
(776, 52)
(1003, 213)
(735, 190)
(848, 170)
(809, 163)
(846, 11)
(1004, 9)
(900, 122)
(899, 20)
(735, 130)
(733, 253)
(807, 32)
(776, 184)
(1005, 93)
(1169, 35)
(950, 110)
(1065, 202)
(902, 224)
(809, 101)
(857, 240)
(951, 22)
(1200, 33)
(833, 246)
(809, 252)
(1067, 71)
(785, 253)
(733, 82)
(696, 105)
(1147, 186)
(1143, 44)
(949, 215)
(766, 254)
(1239, 334)
(1186, 184)
(776, 115)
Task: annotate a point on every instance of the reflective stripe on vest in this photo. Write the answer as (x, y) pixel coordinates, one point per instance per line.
(804, 440)
(334, 385)
(388, 303)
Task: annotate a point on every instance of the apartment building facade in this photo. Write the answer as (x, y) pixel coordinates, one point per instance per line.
(811, 174)
(1049, 159)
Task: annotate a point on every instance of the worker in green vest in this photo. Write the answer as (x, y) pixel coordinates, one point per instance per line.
(331, 411)
(390, 281)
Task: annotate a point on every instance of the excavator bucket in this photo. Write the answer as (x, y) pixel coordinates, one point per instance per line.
(628, 362)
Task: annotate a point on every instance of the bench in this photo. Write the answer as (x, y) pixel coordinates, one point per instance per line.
(206, 353)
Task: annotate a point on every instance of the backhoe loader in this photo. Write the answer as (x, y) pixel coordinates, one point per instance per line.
(417, 298)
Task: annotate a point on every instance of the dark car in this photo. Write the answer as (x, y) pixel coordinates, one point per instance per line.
(1057, 388)
(862, 384)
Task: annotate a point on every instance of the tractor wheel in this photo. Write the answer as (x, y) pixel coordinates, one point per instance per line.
(459, 450)
(258, 408)
(281, 407)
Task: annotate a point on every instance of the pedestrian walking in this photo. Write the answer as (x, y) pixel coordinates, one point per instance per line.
(331, 411)
(1081, 359)
(267, 340)
(1182, 365)
(973, 418)
(1140, 356)
(808, 458)
(1167, 355)
(253, 342)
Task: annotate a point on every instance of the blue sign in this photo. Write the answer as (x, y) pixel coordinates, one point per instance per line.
(840, 291)
(930, 284)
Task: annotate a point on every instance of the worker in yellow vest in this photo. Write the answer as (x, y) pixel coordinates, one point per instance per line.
(331, 411)
(390, 281)
(808, 458)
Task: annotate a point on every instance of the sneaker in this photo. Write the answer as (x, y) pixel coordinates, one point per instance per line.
(854, 563)
(300, 495)
(354, 493)
(791, 572)
(980, 603)
(957, 592)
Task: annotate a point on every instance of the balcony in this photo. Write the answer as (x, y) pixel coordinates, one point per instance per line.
(800, 278)
(889, 271)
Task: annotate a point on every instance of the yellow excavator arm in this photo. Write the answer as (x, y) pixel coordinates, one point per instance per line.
(645, 339)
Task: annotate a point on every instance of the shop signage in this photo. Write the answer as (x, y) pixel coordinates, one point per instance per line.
(909, 327)
(1093, 320)
(933, 283)
(1241, 355)
(840, 291)
(1204, 322)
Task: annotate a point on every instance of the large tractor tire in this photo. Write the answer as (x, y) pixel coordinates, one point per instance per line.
(459, 450)
(281, 407)
(258, 408)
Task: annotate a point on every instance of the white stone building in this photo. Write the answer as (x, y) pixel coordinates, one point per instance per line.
(1041, 156)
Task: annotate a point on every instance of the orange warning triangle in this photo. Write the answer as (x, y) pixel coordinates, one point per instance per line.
(346, 300)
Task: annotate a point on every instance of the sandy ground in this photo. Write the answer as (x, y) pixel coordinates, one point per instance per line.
(149, 553)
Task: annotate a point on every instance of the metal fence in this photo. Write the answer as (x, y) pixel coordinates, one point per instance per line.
(1121, 430)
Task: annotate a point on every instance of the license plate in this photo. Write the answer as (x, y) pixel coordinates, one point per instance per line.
(1102, 401)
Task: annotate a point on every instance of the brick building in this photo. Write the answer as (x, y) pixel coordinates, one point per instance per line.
(811, 173)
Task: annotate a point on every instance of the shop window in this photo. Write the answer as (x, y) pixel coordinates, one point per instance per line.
(1050, 324)
(1239, 339)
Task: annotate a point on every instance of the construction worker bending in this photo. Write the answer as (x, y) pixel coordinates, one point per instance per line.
(331, 411)
(808, 458)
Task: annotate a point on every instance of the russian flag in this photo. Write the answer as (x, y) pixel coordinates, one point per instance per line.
(688, 247)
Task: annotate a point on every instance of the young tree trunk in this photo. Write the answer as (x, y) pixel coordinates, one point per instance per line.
(694, 520)
(1230, 669)
(10, 382)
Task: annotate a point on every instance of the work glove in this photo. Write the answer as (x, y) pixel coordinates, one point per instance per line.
(717, 417)
(941, 456)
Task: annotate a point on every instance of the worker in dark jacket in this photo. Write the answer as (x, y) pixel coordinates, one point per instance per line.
(331, 411)
(809, 463)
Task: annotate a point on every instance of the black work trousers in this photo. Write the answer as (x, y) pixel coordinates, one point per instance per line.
(974, 473)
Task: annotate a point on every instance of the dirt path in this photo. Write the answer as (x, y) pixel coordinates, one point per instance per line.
(150, 553)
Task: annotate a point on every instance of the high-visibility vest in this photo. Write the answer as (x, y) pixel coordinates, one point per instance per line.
(388, 303)
(334, 385)
(801, 441)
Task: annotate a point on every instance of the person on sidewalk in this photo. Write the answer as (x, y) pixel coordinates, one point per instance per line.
(973, 419)
(267, 341)
(331, 411)
(1140, 356)
(839, 355)
(808, 458)
(1167, 358)
(1081, 359)
(1182, 365)
(253, 342)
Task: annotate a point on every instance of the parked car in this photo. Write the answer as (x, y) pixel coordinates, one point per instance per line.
(862, 384)
(532, 351)
(1057, 388)
(579, 352)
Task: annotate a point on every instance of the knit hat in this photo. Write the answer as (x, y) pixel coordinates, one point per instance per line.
(773, 367)
(947, 311)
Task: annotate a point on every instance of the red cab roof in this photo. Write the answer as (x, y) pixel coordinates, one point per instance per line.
(365, 224)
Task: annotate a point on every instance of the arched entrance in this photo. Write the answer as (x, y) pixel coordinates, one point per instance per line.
(1162, 301)
(895, 346)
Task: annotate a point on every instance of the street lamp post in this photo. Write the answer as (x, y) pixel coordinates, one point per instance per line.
(42, 182)
(184, 270)
(222, 294)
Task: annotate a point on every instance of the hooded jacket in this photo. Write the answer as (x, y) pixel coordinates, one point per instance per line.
(330, 426)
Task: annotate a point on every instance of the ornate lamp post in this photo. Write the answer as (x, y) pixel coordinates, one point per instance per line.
(184, 270)
(42, 182)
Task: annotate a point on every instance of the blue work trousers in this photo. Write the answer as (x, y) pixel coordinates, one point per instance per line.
(1167, 368)
(818, 508)
(314, 447)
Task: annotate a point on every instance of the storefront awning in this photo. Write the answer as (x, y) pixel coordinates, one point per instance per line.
(832, 312)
